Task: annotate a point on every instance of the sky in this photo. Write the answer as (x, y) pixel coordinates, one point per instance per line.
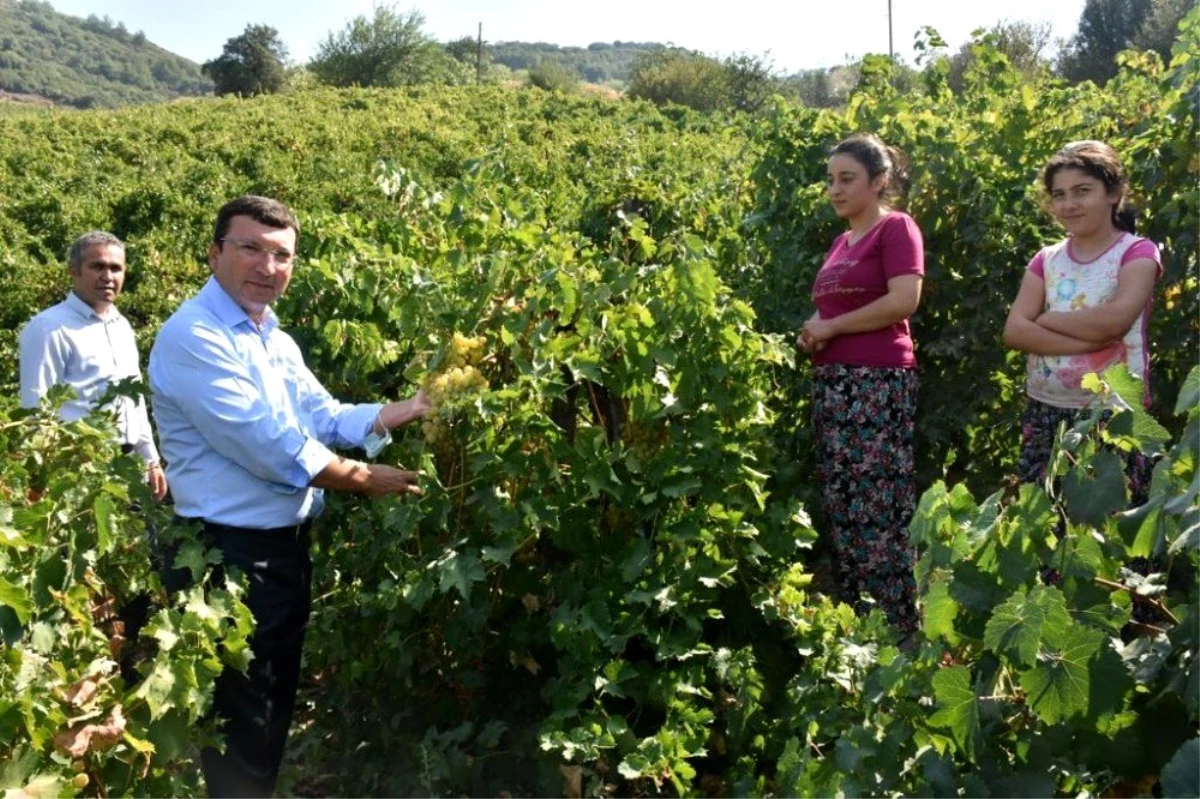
(792, 34)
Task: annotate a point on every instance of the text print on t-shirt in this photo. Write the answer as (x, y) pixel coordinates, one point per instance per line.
(829, 279)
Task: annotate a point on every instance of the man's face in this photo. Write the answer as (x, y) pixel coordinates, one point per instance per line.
(99, 279)
(253, 263)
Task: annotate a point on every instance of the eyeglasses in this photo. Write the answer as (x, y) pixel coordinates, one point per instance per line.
(251, 250)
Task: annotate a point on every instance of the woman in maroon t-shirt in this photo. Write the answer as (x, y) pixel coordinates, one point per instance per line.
(865, 380)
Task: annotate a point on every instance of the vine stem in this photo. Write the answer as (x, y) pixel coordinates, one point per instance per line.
(1158, 605)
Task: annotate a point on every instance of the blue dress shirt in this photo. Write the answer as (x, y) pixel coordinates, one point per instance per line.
(243, 424)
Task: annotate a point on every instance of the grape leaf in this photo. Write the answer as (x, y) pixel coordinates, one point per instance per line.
(1189, 392)
(1015, 629)
(1181, 776)
(1058, 687)
(1094, 495)
(17, 598)
(958, 708)
(459, 571)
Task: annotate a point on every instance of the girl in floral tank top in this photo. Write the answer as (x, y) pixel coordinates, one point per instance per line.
(1084, 303)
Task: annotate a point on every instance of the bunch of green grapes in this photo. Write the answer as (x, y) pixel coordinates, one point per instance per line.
(448, 389)
(464, 351)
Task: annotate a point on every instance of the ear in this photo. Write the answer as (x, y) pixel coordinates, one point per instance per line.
(214, 252)
(879, 184)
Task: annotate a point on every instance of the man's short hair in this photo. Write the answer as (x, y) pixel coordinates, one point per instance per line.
(263, 210)
(91, 239)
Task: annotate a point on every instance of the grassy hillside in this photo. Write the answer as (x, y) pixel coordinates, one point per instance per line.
(87, 63)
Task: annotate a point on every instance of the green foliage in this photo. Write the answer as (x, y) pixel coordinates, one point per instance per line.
(553, 77)
(390, 49)
(74, 516)
(678, 76)
(87, 63)
(608, 585)
(250, 64)
(741, 82)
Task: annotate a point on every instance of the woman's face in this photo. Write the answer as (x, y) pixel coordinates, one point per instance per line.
(850, 189)
(1081, 203)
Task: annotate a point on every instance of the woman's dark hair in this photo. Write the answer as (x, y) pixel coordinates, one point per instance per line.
(878, 159)
(1101, 162)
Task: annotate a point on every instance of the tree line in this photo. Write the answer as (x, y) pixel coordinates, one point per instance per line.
(391, 48)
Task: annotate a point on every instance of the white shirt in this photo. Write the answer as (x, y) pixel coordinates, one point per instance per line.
(1071, 285)
(70, 343)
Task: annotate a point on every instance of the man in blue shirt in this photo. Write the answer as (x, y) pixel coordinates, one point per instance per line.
(246, 428)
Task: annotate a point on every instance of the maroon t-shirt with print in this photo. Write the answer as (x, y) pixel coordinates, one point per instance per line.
(855, 275)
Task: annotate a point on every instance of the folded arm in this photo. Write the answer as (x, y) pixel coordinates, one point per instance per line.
(1022, 330)
(1111, 319)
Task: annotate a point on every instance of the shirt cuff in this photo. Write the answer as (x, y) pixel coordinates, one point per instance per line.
(146, 450)
(375, 442)
(312, 458)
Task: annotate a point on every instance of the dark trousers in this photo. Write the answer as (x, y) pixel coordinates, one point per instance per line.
(255, 709)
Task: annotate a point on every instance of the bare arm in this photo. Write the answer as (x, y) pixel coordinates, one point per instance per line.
(1022, 331)
(397, 414)
(374, 479)
(903, 296)
(1111, 319)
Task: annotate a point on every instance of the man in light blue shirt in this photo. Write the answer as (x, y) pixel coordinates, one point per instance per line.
(246, 429)
(86, 343)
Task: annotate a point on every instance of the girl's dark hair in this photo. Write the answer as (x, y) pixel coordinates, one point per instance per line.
(878, 159)
(1100, 161)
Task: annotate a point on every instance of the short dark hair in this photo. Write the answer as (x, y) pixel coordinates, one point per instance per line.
(878, 159)
(91, 239)
(1100, 161)
(263, 210)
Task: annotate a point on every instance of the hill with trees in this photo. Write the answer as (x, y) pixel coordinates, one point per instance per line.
(596, 63)
(89, 62)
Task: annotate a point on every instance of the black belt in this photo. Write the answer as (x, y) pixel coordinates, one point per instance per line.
(294, 532)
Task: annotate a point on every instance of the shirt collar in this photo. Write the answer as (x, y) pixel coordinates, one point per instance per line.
(76, 304)
(231, 314)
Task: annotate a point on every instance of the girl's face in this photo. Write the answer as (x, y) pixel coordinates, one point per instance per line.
(1081, 203)
(850, 190)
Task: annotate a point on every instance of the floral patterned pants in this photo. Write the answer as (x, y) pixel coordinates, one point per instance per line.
(863, 420)
(1040, 422)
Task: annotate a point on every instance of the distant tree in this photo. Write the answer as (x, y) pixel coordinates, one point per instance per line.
(680, 76)
(812, 87)
(750, 81)
(469, 51)
(552, 76)
(1106, 27)
(250, 64)
(1026, 45)
(1160, 29)
(388, 50)
(465, 49)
